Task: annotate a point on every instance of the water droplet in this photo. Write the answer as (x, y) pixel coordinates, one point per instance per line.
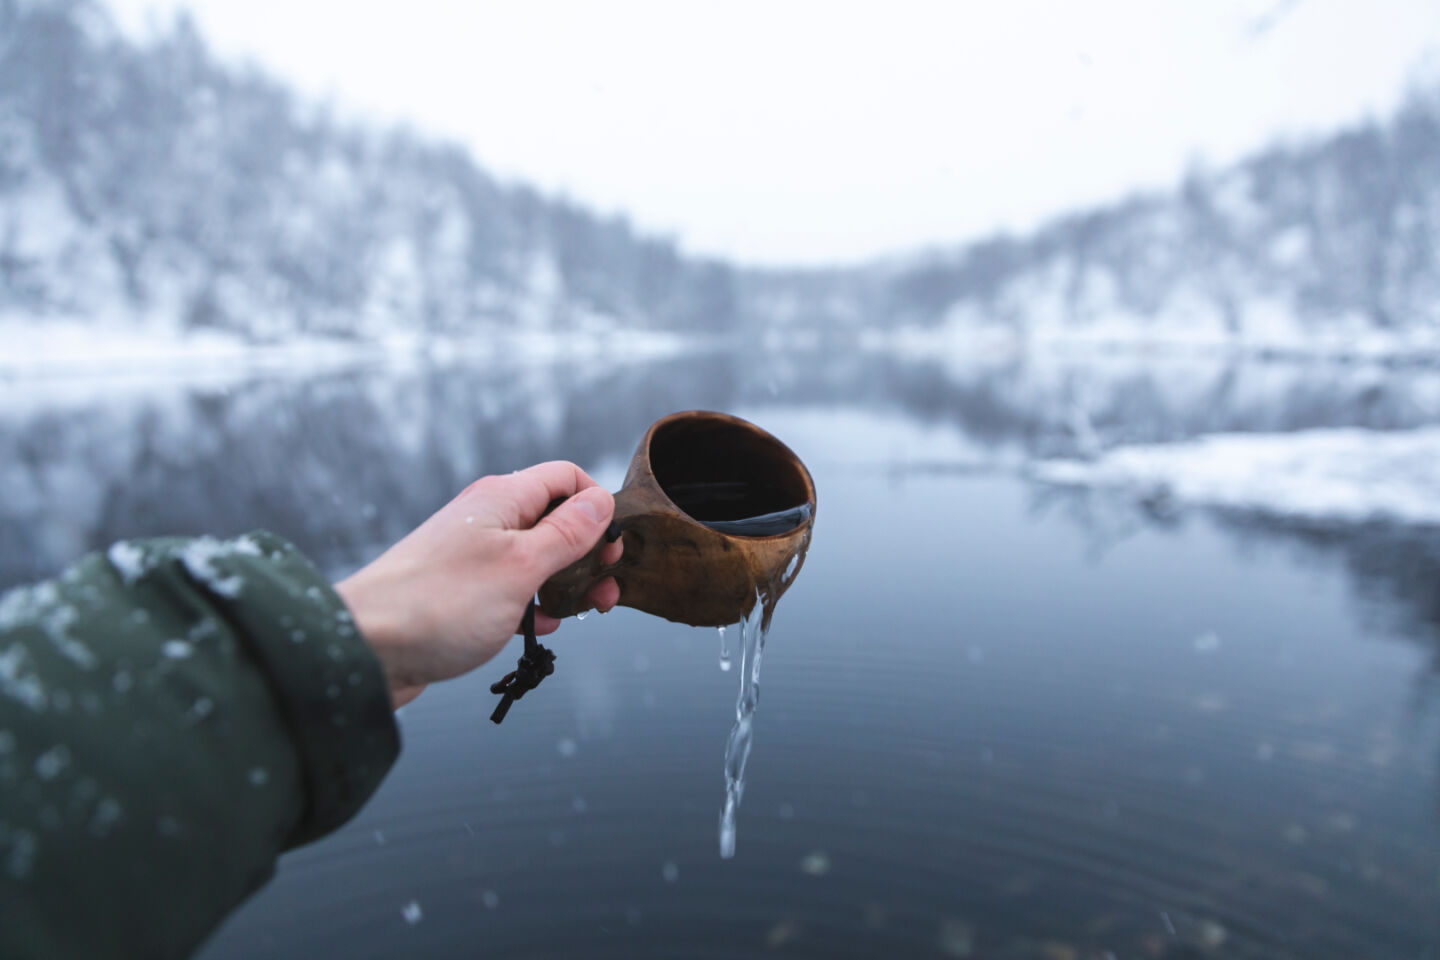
(491, 899)
(815, 864)
(724, 652)
(107, 814)
(1212, 935)
(957, 938)
(50, 763)
(23, 846)
(567, 747)
(670, 871)
(782, 933)
(582, 614)
(176, 649)
(469, 519)
(258, 776)
(412, 913)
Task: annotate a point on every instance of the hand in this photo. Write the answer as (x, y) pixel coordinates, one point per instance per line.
(448, 597)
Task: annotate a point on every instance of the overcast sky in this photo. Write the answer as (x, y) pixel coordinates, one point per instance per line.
(806, 132)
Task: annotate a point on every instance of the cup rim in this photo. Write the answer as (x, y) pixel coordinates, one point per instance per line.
(742, 424)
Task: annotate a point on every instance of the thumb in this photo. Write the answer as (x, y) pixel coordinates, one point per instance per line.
(571, 530)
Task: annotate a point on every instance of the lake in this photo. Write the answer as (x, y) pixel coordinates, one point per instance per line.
(1001, 716)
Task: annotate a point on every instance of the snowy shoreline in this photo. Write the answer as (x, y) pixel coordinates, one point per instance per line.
(1338, 475)
(82, 350)
(1353, 343)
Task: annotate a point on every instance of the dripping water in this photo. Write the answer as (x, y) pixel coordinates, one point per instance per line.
(724, 652)
(737, 749)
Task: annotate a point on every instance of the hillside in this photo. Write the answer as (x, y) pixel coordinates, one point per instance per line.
(1326, 245)
(147, 187)
(151, 182)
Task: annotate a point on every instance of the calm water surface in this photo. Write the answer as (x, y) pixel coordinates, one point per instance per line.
(997, 719)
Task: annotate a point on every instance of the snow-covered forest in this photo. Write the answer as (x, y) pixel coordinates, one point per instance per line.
(151, 182)
(150, 186)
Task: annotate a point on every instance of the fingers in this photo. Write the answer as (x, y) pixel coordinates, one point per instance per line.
(544, 623)
(604, 595)
(569, 532)
(533, 488)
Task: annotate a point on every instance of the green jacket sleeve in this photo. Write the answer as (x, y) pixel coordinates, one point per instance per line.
(173, 715)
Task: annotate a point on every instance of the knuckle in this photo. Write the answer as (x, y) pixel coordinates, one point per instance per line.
(571, 534)
(478, 488)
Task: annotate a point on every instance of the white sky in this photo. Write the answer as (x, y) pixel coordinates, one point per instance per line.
(803, 132)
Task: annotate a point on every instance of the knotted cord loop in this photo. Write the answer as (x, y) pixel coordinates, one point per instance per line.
(534, 665)
(538, 661)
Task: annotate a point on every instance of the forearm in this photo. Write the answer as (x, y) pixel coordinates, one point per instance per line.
(176, 714)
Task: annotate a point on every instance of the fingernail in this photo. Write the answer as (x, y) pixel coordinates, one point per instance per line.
(585, 502)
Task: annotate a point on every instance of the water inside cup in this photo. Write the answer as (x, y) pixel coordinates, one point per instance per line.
(730, 479)
(737, 507)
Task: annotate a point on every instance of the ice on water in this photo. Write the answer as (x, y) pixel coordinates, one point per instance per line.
(1342, 474)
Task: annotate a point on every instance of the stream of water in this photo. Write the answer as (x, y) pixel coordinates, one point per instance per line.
(753, 630)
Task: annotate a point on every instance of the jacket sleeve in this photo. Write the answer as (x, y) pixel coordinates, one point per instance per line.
(173, 715)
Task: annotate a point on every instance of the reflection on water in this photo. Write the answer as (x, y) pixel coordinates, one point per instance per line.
(1002, 719)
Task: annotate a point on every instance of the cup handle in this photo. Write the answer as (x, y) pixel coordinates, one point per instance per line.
(564, 593)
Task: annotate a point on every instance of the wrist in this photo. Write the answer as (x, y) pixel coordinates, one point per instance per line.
(382, 624)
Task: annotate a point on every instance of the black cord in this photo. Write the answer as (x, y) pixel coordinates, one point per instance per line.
(535, 664)
(538, 661)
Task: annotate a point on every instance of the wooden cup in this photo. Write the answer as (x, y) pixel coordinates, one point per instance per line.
(673, 565)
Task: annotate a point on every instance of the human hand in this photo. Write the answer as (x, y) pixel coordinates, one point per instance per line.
(448, 596)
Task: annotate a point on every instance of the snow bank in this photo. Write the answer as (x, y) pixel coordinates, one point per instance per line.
(1270, 335)
(80, 348)
(1332, 474)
